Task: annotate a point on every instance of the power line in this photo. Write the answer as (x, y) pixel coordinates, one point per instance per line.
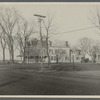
(76, 30)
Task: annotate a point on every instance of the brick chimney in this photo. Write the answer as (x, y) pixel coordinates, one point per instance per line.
(67, 45)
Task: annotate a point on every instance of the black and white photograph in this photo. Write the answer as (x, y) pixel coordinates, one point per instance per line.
(49, 49)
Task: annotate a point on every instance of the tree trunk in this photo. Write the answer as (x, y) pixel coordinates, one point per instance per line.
(4, 55)
(3, 45)
(24, 55)
(12, 53)
(21, 57)
(48, 59)
(28, 56)
(48, 53)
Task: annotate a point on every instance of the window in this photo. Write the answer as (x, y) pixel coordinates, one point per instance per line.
(50, 51)
(51, 57)
(66, 58)
(56, 51)
(63, 51)
(78, 52)
(55, 58)
(77, 58)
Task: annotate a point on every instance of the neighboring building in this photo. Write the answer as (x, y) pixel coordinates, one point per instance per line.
(59, 54)
(76, 56)
(97, 57)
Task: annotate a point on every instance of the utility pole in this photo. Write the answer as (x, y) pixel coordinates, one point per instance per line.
(57, 58)
(40, 18)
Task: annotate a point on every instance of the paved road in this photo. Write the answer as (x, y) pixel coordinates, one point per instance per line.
(16, 81)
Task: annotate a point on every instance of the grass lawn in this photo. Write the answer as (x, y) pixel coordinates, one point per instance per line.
(56, 67)
(76, 67)
(60, 79)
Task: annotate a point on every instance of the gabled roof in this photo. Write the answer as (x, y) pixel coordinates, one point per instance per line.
(75, 49)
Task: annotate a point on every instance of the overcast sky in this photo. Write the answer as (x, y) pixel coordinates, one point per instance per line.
(68, 17)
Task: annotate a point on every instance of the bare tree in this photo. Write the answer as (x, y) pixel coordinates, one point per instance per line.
(88, 46)
(91, 49)
(49, 27)
(83, 45)
(95, 48)
(94, 17)
(3, 44)
(8, 20)
(22, 37)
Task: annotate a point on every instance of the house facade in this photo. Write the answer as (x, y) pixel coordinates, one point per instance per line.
(76, 56)
(59, 54)
(36, 53)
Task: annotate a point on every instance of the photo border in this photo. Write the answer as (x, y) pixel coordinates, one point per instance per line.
(50, 97)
